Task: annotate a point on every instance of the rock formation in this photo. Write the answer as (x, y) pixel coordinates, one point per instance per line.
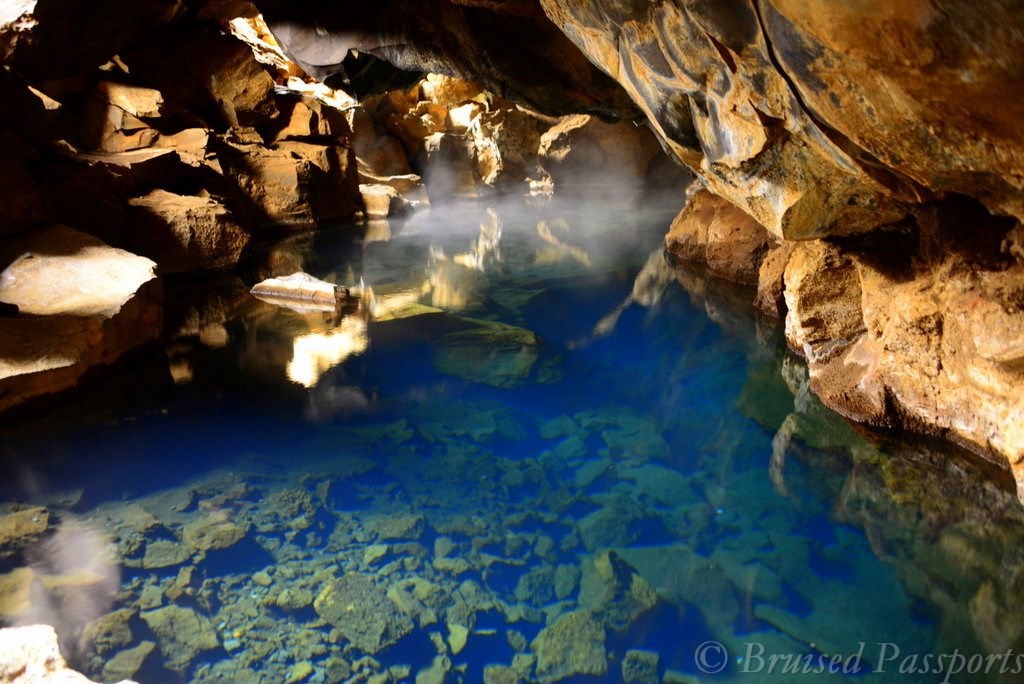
(863, 163)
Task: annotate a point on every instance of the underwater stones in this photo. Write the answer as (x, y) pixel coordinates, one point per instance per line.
(659, 485)
(374, 552)
(488, 352)
(614, 592)
(109, 632)
(562, 426)
(22, 527)
(395, 525)
(293, 599)
(212, 533)
(362, 612)
(567, 577)
(262, 579)
(82, 305)
(164, 553)
(124, 664)
(573, 645)
(679, 574)
(181, 633)
(640, 667)
(610, 525)
(299, 672)
(458, 635)
(537, 586)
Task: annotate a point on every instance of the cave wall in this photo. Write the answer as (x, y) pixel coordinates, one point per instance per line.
(877, 145)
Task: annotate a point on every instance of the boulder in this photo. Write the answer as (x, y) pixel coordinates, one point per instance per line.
(714, 231)
(300, 289)
(181, 633)
(184, 233)
(293, 183)
(83, 304)
(573, 645)
(362, 612)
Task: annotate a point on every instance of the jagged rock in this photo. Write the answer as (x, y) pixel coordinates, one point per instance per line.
(308, 117)
(212, 75)
(88, 303)
(31, 654)
(186, 233)
(574, 645)
(181, 633)
(714, 231)
(293, 183)
(362, 612)
(506, 142)
(113, 117)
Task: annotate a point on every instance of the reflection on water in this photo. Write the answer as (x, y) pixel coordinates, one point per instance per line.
(533, 452)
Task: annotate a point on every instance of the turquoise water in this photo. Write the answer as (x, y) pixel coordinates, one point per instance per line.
(534, 452)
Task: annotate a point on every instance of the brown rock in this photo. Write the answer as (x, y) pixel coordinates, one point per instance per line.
(186, 233)
(712, 230)
(583, 151)
(181, 633)
(89, 305)
(770, 299)
(708, 85)
(293, 183)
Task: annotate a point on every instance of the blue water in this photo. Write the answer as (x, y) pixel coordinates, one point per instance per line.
(585, 490)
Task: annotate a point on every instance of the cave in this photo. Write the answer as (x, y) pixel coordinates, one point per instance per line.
(511, 340)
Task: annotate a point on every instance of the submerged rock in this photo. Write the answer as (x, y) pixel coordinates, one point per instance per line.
(181, 633)
(362, 612)
(574, 645)
(488, 352)
(20, 528)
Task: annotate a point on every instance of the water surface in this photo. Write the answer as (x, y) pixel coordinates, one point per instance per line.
(534, 452)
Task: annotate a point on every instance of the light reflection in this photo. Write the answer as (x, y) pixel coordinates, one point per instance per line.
(315, 353)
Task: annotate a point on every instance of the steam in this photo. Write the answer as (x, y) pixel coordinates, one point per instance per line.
(73, 578)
